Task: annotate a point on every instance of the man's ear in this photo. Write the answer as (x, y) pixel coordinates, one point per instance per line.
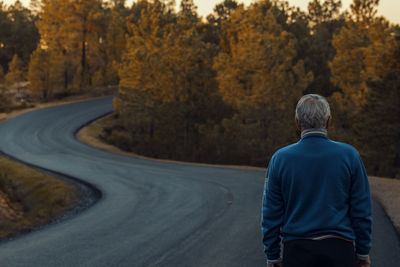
(328, 122)
(298, 124)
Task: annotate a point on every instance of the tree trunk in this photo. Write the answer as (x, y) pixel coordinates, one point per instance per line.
(83, 58)
(186, 139)
(65, 69)
(396, 163)
(151, 132)
(65, 78)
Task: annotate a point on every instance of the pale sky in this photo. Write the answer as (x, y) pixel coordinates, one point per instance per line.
(389, 8)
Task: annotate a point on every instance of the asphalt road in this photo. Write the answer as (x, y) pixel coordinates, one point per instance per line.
(151, 213)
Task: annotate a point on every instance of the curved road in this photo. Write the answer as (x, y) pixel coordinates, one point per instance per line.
(151, 213)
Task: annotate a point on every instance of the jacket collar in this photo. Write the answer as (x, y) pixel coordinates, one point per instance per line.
(314, 131)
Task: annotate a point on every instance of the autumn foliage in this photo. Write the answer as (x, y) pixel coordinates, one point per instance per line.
(221, 89)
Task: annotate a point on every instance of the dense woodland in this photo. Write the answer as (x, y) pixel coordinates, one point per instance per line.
(220, 89)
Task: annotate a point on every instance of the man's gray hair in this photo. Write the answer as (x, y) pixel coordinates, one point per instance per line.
(312, 111)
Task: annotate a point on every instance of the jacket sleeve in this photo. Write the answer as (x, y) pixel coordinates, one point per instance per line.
(272, 212)
(360, 208)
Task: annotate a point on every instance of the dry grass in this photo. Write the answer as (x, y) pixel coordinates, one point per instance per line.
(385, 190)
(29, 198)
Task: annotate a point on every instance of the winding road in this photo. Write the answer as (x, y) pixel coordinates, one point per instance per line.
(150, 213)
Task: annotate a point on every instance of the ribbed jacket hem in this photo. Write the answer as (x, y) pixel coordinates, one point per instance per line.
(279, 260)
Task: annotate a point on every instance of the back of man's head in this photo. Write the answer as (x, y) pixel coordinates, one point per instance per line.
(312, 111)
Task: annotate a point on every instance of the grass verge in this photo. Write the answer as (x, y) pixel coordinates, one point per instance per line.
(29, 198)
(384, 190)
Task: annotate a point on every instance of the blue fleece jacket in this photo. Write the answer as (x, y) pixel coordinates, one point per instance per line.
(316, 188)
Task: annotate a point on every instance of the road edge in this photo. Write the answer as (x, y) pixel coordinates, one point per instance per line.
(83, 135)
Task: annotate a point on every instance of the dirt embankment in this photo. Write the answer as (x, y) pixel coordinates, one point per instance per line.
(29, 198)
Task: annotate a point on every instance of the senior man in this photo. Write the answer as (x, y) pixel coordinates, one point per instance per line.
(316, 198)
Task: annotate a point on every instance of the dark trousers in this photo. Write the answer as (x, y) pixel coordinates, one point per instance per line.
(330, 252)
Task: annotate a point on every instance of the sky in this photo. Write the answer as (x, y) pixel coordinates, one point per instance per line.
(388, 8)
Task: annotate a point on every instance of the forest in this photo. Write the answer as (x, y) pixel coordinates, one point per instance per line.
(220, 89)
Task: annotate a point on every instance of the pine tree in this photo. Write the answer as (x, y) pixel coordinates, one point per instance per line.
(347, 66)
(260, 68)
(140, 88)
(325, 21)
(4, 100)
(54, 37)
(45, 74)
(1, 75)
(190, 81)
(16, 71)
(224, 10)
(18, 33)
(83, 23)
(115, 40)
(73, 28)
(222, 13)
(382, 104)
(167, 79)
(259, 75)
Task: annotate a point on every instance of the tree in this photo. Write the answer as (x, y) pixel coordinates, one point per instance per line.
(18, 33)
(140, 63)
(222, 12)
(54, 37)
(115, 40)
(140, 70)
(260, 76)
(84, 26)
(4, 100)
(347, 66)
(5, 25)
(323, 12)
(167, 81)
(45, 73)
(382, 105)
(74, 29)
(325, 22)
(1, 75)
(366, 68)
(190, 80)
(16, 71)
